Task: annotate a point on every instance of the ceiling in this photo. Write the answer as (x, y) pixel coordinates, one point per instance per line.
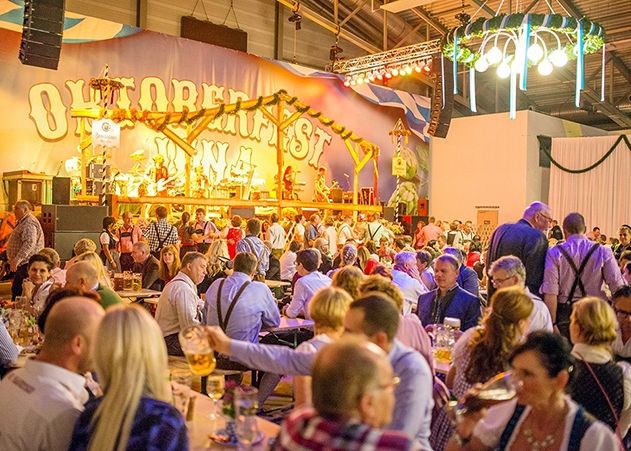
(363, 22)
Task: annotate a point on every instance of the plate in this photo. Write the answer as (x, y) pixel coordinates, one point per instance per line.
(222, 437)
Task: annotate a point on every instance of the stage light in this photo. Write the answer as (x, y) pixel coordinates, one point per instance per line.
(494, 56)
(388, 75)
(395, 71)
(535, 53)
(481, 64)
(347, 82)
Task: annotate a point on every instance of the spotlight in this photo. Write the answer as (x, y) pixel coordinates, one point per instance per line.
(388, 75)
(296, 19)
(395, 71)
(335, 50)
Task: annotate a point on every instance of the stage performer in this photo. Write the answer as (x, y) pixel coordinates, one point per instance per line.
(201, 183)
(321, 188)
(288, 181)
(160, 172)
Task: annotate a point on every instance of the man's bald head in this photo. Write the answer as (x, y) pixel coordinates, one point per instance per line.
(70, 330)
(344, 372)
(81, 275)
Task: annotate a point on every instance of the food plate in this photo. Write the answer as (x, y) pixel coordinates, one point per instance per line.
(223, 438)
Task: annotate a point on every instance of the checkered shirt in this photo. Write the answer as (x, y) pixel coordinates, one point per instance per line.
(167, 234)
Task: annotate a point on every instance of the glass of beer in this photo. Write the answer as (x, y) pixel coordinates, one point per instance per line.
(136, 281)
(197, 350)
(118, 281)
(127, 280)
(181, 390)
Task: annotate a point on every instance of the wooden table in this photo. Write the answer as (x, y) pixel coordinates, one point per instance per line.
(288, 330)
(277, 283)
(142, 294)
(201, 426)
(442, 367)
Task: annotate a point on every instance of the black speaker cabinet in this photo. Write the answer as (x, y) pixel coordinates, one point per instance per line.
(440, 117)
(210, 33)
(337, 195)
(42, 33)
(64, 242)
(61, 190)
(73, 218)
(245, 212)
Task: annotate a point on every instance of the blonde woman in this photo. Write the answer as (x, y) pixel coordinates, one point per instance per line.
(327, 309)
(218, 264)
(131, 363)
(599, 384)
(101, 273)
(483, 351)
(348, 279)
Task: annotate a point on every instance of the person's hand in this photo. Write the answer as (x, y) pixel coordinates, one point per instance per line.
(113, 264)
(441, 393)
(218, 340)
(13, 266)
(27, 288)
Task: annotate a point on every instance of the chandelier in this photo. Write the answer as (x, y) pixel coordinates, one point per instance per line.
(513, 44)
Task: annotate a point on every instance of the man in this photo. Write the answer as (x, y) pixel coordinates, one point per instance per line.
(26, 240)
(83, 276)
(375, 230)
(160, 233)
(204, 231)
(253, 244)
(344, 232)
(449, 299)
(321, 190)
(574, 269)
(147, 265)
(467, 277)
(128, 235)
(424, 266)
(288, 261)
(353, 396)
(509, 271)
(594, 234)
(276, 236)
(525, 240)
(311, 280)
(178, 306)
(42, 400)
(430, 232)
(375, 317)
(312, 230)
(555, 231)
(466, 233)
(241, 307)
(8, 351)
(621, 299)
(326, 262)
(299, 228)
(405, 276)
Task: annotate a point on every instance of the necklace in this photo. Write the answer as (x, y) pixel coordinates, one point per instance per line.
(537, 445)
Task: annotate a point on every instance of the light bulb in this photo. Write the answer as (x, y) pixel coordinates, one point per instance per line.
(388, 75)
(481, 64)
(503, 70)
(535, 53)
(558, 57)
(347, 82)
(408, 70)
(545, 68)
(494, 56)
(395, 71)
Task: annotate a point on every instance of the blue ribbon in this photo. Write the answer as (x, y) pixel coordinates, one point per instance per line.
(472, 104)
(455, 62)
(580, 65)
(523, 78)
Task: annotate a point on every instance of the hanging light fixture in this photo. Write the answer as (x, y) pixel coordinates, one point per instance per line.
(515, 43)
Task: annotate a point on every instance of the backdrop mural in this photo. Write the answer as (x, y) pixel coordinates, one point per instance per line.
(165, 73)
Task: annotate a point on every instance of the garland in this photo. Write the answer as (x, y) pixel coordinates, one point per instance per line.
(593, 166)
(593, 33)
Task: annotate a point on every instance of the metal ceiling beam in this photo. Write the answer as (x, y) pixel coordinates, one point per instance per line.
(484, 7)
(427, 17)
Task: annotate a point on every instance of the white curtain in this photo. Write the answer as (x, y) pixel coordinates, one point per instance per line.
(601, 195)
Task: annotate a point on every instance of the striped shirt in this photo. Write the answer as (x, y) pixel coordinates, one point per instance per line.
(8, 351)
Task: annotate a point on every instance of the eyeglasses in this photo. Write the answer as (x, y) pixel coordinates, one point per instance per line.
(622, 314)
(547, 218)
(496, 281)
(393, 383)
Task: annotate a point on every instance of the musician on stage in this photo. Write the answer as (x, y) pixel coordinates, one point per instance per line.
(160, 172)
(289, 177)
(321, 189)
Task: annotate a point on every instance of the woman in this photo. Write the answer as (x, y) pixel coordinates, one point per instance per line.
(541, 417)
(80, 247)
(599, 383)
(424, 265)
(39, 283)
(185, 232)
(169, 264)
(234, 235)
(385, 252)
(418, 236)
(482, 352)
(474, 254)
(101, 273)
(108, 240)
(134, 413)
(348, 257)
(348, 279)
(327, 309)
(218, 264)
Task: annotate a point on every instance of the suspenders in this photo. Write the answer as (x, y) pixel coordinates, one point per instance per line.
(223, 322)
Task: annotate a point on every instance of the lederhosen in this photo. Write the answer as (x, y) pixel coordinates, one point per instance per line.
(127, 261)
(223, 361)
(580, 425)
(202, 247)
(565, 310)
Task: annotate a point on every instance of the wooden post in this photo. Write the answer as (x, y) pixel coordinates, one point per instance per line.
(280, 138)
(84, 160)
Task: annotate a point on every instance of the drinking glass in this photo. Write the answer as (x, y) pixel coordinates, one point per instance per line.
(127, 280)
(246, 405)
(499, 388)
(197, 350)
(118, 281)
(215, 386)
(181, 381)
(136, 282)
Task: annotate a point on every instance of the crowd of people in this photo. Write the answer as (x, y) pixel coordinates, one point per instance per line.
(550, 303)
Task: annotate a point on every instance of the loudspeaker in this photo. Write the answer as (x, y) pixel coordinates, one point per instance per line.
(42, 33)
(63, 242)
(73, 218)
(423, 207)
(337, 195)
(440, 117)
(61, 190)
(210, 33)
(388, 214)
(245, 212)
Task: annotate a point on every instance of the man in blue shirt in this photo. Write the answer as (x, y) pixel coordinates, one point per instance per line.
(253, 244)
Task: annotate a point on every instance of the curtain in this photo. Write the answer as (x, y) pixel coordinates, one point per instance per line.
(600, 195)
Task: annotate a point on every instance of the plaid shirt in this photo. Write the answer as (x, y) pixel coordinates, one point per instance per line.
(26, 240)
(303, 429)
(167, 234)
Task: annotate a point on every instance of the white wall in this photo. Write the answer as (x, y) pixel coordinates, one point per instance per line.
(490, 160)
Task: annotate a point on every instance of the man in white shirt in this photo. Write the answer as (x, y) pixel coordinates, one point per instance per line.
(375, 230)
(311, 280)
(402, 276)
(277, 236)
(509, 271)
(178, 306)
(345, 231)
(43, 400)
(288, 261)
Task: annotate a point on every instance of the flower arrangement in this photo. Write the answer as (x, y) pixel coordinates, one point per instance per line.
(228, 408)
